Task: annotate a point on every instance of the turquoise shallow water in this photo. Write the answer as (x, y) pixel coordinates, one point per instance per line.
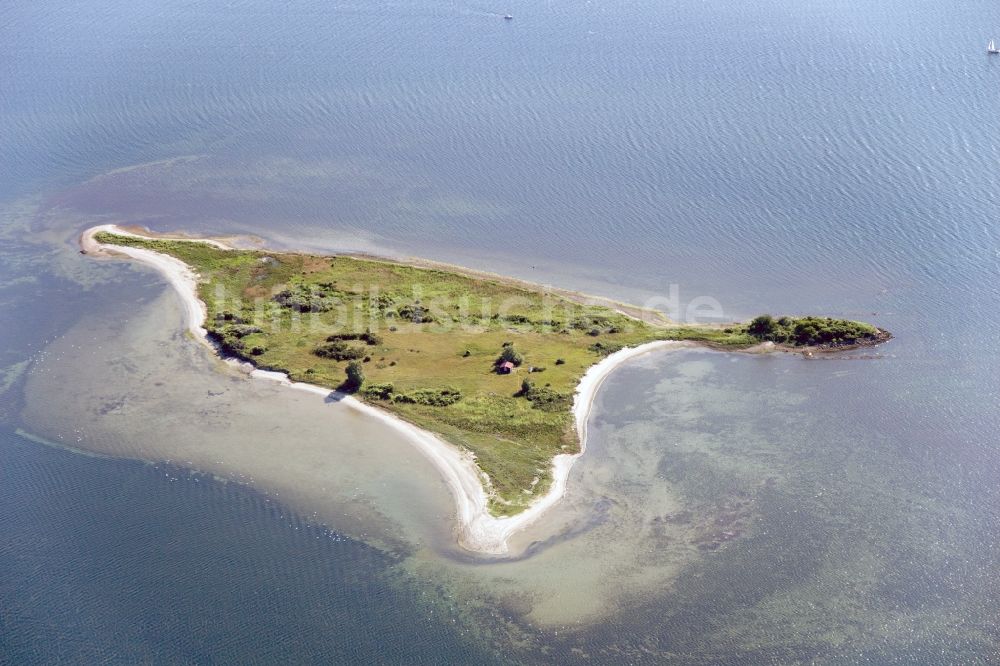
(829, 540)
(836, 158)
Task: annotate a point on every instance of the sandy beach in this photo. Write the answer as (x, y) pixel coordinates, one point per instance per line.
(477, 530)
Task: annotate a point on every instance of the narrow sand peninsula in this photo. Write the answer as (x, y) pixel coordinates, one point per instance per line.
(478, 531)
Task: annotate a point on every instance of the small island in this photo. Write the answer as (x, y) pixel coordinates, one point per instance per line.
(492, 366)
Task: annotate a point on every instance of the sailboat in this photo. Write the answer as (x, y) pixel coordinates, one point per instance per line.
(991, 48)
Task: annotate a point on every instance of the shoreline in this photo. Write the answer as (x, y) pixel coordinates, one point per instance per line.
(478, 531)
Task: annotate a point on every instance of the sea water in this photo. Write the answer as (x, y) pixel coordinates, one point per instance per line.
(834, 158)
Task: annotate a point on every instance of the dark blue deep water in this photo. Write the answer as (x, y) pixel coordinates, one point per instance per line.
(107, 561)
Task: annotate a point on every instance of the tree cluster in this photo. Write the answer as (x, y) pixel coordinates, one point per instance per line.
(508, 353)
(810, 331)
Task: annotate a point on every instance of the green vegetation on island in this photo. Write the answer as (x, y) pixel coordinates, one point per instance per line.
(489, 364)
(814, 331)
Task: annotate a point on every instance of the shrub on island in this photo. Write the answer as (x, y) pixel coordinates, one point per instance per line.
(509, 355)
(432, 397)
(338, 350)
(544, 398)
(762, 327)
(228, 317)
(355, 377)
(812, 331)
(304, 299)
(439, 397)
(606, 348)
(414, 313)
(367, 337)
(230, 336)
(378, 391)
(241, 330)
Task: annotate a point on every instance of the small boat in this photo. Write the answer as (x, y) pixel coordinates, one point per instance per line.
(508, 17)
(991, 48)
